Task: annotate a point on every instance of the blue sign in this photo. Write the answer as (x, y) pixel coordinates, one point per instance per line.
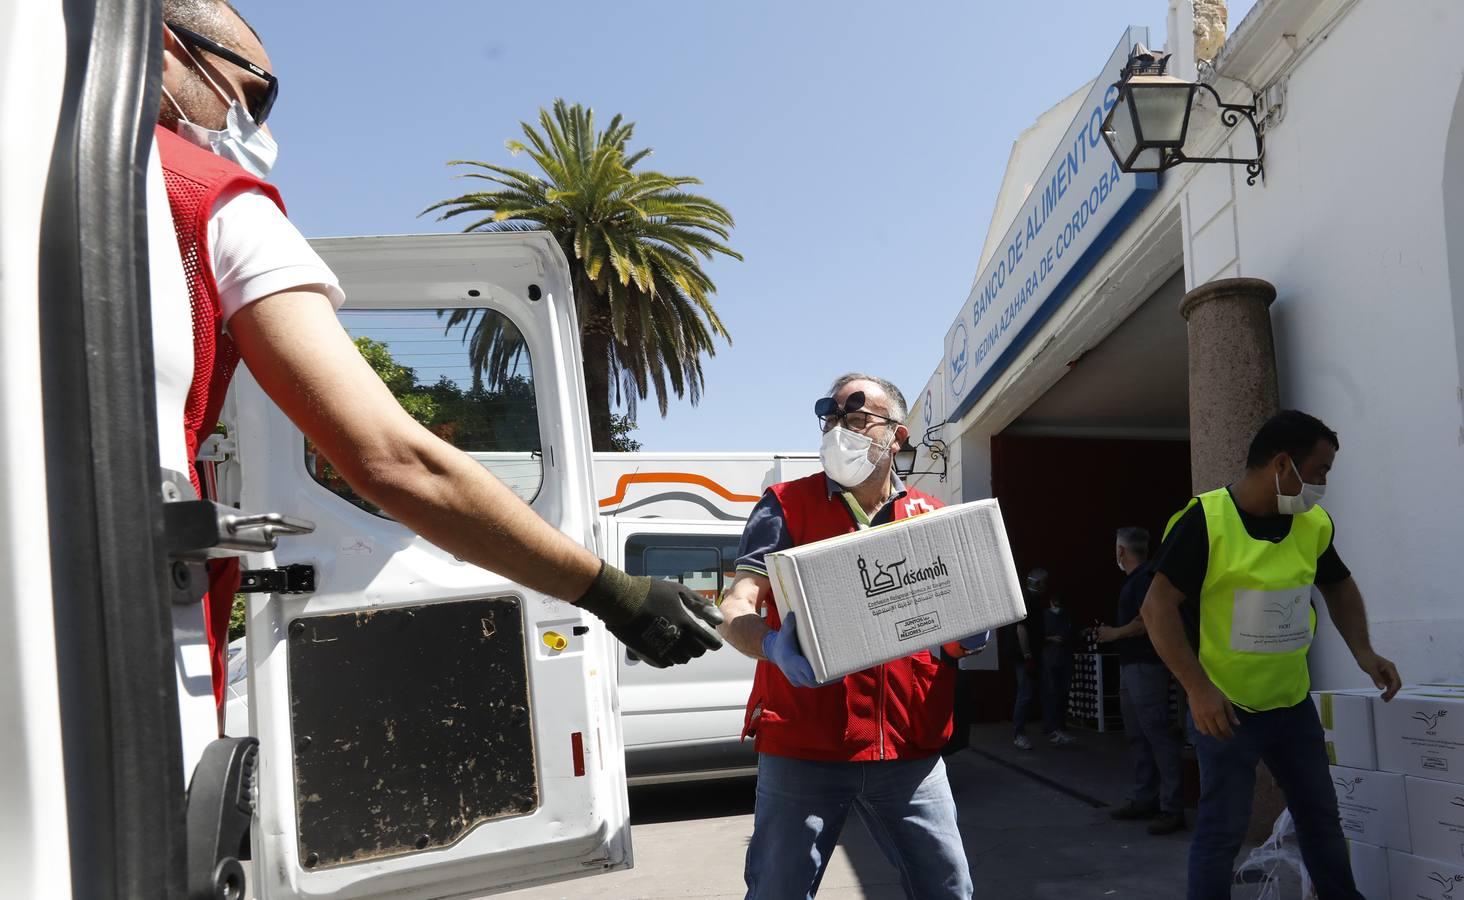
(1075, 210)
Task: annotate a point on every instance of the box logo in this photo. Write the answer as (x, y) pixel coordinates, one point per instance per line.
(1349, 785)
(886, 578)
(1430, 721)
(892, 577)
(917, 625)
(1447, 882)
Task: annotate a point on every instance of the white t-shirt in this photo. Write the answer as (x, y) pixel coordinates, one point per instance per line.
(256, 252)
(172, 321)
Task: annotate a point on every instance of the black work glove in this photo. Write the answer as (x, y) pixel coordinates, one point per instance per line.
(663, 622)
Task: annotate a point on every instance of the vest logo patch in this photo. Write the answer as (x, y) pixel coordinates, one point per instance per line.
(1271, 621)
(917, 505)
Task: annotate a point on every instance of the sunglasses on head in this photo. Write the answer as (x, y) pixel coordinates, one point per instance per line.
(272, 83)
(853, 416)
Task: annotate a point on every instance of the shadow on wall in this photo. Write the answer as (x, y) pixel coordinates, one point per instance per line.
(1453, 194)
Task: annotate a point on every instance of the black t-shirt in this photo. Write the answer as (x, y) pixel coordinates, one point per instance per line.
(1130, 599)
(1058, 623)
(1033, 624)
(1184, 557)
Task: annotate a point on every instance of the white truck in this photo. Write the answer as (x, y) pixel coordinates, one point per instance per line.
(680, 516)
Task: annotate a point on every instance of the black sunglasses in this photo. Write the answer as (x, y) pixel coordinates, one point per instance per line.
(829, 414)
(272, 83)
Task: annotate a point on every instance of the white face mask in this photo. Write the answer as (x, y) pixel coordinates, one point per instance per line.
(241, 141)
(1296, 504)
(845, 456)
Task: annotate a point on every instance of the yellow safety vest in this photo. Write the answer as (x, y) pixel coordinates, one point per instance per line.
(1256, 615)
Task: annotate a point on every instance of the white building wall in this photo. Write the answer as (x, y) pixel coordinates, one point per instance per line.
(1350, 226)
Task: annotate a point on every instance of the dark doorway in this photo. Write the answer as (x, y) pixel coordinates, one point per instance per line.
(1062, 500)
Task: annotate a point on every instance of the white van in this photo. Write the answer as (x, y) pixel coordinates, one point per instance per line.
(680, 516)
(424, 728)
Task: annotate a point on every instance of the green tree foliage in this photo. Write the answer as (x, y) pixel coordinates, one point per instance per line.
(636, 241)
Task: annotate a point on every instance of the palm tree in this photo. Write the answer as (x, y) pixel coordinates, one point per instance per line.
(635, 241)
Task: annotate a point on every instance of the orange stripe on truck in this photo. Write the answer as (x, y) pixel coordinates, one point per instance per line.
(674, 478)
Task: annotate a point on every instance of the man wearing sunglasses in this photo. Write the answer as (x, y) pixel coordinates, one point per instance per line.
(870, 740)
(256, 291)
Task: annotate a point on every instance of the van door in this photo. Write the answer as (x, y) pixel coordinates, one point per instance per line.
(685, 720)
(428, 728)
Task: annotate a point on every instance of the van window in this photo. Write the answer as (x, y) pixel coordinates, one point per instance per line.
(466, 375)
(706, 563)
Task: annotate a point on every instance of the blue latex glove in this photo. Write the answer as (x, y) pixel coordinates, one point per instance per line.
(975, 642)
(781, 649)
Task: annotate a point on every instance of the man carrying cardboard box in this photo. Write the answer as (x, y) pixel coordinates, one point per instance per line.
(1241, 561)
(870, 740)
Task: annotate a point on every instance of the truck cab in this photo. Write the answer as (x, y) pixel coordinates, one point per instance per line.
(680, 516)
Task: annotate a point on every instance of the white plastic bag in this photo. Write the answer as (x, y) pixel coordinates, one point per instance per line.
(1278, 859)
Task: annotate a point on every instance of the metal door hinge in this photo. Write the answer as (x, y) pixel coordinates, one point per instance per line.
(298, 578)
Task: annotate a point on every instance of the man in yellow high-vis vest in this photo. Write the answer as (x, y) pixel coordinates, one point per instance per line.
(1230, 612)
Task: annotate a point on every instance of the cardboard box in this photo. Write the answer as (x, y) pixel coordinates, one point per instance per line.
(887, 592)
(1421, 732)
(1347, 719)
(1436, 819)
(1416, 878)
(1369, 869)
(1373, 807)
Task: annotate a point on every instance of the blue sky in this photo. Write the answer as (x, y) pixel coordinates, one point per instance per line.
(859, 145)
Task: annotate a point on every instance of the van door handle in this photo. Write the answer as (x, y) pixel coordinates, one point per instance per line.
(204, 529)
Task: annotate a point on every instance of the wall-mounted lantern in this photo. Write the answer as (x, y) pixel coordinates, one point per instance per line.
(935, 448)
(1148, 124)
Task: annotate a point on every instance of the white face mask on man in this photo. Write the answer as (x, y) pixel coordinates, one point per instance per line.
(845, 456)
(1296, 504)
(241, 140)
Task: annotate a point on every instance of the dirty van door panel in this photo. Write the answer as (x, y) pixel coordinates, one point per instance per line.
(428, 728)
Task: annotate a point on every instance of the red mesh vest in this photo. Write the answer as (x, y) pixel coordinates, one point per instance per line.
(196, 179)
(900, 710)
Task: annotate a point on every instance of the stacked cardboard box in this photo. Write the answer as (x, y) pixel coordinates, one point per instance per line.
(1399, 774)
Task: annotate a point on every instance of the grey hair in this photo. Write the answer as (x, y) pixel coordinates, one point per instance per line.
(898, 409)
(1135, 540)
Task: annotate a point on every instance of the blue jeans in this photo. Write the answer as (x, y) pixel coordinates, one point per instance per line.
(1057, 678)
(1289, 741)
(1026, 688)
(1143, 693)
(801, 808)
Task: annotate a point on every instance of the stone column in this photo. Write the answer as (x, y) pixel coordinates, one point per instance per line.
(1232, 374)
(1232, 391)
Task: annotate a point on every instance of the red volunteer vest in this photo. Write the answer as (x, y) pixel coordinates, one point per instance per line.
(196, 179)
(899, 710)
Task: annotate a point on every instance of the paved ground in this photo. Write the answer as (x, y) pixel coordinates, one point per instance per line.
(1035, 826)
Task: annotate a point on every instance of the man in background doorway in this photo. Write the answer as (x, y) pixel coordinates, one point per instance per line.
(1144, 696)
(1059, 638)
(1024, 649)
